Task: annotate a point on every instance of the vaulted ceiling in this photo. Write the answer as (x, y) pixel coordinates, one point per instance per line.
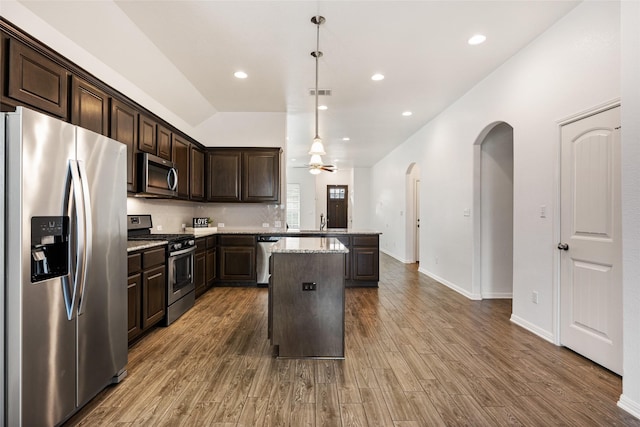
(184, 53)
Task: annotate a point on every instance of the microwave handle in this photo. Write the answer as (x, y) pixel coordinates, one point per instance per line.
(172, 173)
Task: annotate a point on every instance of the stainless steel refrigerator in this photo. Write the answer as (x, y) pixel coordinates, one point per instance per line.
(64, 255)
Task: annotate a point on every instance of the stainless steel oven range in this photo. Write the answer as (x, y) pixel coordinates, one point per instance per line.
(180, 264)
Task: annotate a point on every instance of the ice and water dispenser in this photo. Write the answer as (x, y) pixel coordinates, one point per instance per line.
(49, 247)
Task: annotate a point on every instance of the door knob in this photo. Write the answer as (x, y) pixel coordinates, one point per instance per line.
(563, 246)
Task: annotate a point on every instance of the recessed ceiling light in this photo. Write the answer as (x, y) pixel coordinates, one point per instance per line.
(477, 39)
(407, 113)
(346, 138)
(322, 107)
(377, 77)
(293, 160)
(240, 75)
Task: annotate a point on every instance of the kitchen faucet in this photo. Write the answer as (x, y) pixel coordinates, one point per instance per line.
(322, 222)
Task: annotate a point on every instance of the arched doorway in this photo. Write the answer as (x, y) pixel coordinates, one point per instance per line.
(493, 204)
(412, 217)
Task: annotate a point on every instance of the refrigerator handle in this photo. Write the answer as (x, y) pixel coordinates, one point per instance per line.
(80, 231)
(88, 234)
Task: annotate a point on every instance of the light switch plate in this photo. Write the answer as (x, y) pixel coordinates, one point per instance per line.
(221, 225)
(265, 225)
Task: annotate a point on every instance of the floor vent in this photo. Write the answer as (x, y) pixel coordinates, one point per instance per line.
(321, 92)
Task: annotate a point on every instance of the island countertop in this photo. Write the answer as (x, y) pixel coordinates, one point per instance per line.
(279, 232)
(309, 245)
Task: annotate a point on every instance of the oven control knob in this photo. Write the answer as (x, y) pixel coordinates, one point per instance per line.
(192, 243)
(177, 246)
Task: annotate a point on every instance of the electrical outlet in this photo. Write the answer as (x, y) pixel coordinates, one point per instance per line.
(159, 227)
(221, 225)
(309, 286)
(534, 297)
(265, 225)
(436, 260)
(277, 224)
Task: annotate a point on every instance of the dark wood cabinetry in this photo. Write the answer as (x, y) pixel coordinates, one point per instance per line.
(244, 175)
(164, 137)
(261, 175)
(224, 168)
(205, 263)
(147, 135)
(37, 81)
(89, 107)
(365, 256)
(180, 156)
(196, 185)
(237, 258)
(124, 128)
(146, 290)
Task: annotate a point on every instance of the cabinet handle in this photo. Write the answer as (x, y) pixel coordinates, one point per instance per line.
(563, 246)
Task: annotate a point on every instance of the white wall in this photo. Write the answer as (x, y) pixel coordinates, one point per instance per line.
(496, 190)
(307, 195)
(572, 67)
(340, 177)
(630, 99)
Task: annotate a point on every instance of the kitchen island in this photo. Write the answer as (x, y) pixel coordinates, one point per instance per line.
(306, 297)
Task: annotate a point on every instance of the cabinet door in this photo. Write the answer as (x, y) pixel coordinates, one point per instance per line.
(147, 135)
(364, 263)
(180, 157)
(163, 140)
(90, 107)
(345, 240)
(261, 175)
(224, 176)
(37, 81)
(238, 263)
(211, 266)
(200, 272)
(124, 128)
(134, 316)
(197, 174)
(154, 296)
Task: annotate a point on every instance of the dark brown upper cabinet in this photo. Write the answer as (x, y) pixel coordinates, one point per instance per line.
(225, 167)
(197, 174)
(261, 175)
(89, 107)
(180, 156)
(147, 135)
(37, 81)
(124, 128)
(163, 139)
(244, 175)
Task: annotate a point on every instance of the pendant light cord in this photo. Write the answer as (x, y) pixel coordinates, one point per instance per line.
(317, 55)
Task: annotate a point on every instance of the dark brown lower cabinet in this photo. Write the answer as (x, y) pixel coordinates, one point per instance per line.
(200, 266)
(365, 256)
(210, 261)
(146, 290)
(237, 258)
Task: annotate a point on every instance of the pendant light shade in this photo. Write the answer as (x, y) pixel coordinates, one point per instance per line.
(315, 160)
(315, 171)
(317, 147)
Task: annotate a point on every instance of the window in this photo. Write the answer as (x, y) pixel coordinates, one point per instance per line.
(336, 193)
(293, 205)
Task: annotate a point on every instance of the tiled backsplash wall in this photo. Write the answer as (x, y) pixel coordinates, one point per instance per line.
(171, 214)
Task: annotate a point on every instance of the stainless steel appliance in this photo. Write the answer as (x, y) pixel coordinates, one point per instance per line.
(157, 177)
(64, 219)
(265, 243)
(181, 248)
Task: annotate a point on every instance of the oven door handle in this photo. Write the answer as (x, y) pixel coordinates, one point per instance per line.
(182, 252)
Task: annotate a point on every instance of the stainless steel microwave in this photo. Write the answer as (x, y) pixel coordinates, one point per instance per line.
(157, 177)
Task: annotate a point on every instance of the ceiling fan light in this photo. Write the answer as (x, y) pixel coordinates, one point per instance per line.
(317, 147)
(315, 160)
(314, 171)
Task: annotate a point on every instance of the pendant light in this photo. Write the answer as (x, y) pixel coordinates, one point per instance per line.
(317, 149)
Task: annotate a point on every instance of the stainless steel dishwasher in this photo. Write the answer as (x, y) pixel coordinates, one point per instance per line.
(265, 243)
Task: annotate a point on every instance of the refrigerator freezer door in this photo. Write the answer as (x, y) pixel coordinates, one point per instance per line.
(40, 353)
(102, 319)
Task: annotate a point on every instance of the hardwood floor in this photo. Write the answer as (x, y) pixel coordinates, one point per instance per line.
(417, 354)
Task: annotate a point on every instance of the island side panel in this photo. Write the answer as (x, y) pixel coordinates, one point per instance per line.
(308, 323)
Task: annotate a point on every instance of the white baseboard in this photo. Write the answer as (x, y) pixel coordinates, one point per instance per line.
(392, 255)
(533, 328)
(497, 295)
(629, 405)
(450, 285)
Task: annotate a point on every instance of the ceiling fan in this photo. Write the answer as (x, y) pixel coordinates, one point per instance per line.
(317, 149)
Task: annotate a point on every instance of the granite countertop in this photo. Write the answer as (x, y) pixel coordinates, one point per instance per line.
(136, 245)
(309, 245)
(281, 232)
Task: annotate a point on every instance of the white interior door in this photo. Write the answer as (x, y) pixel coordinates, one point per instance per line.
(417, 225)
(591, 247)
